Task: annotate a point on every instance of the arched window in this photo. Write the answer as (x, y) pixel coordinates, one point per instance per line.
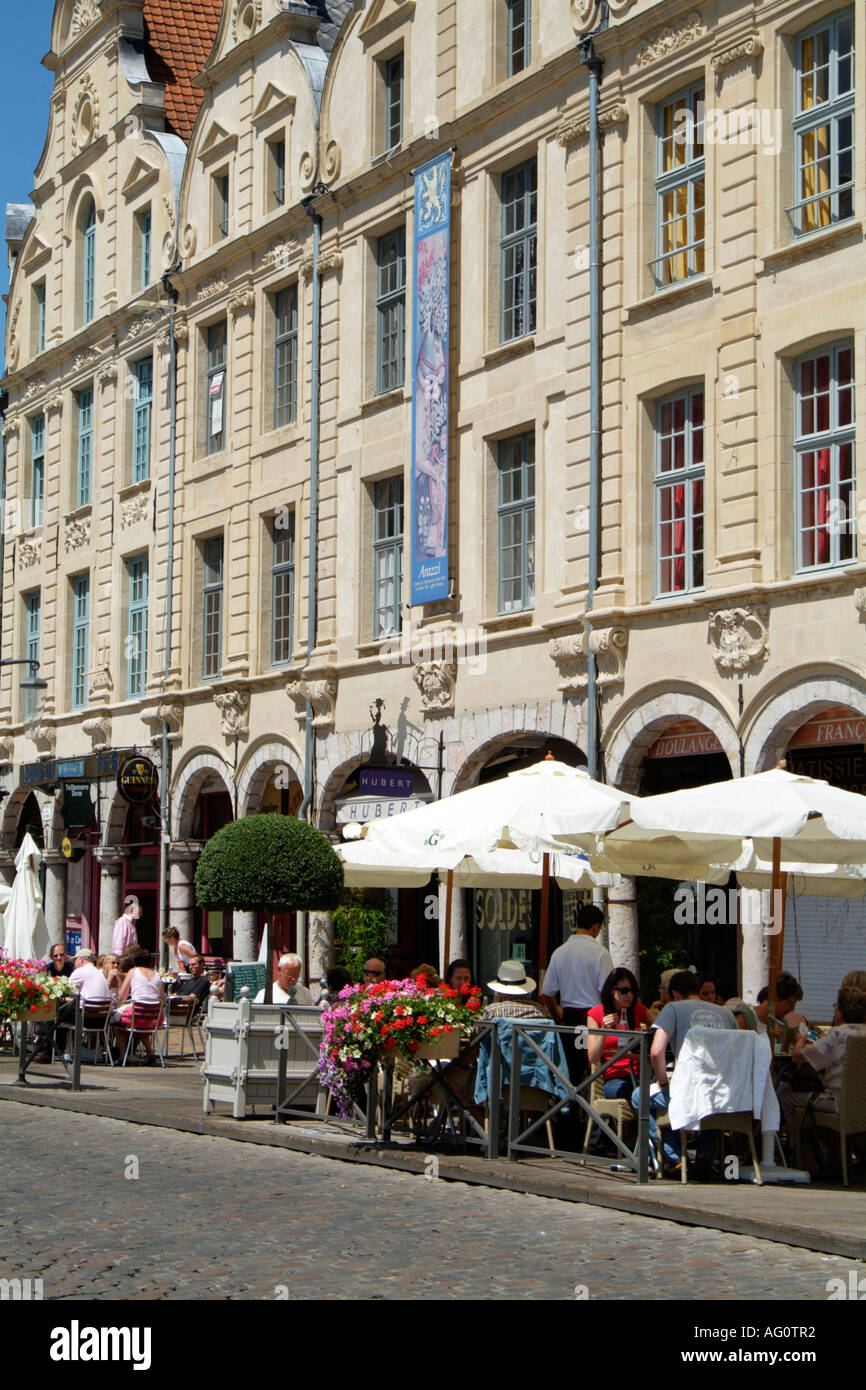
(88, 226)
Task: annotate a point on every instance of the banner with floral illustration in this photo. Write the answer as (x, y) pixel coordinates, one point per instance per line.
(429, 510)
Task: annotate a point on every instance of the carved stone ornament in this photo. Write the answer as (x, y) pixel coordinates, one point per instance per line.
(739, 637)
(320, 688)
(579, 130)
(36, 385)
(97, 727)
(166, 712)
(332, 261)
(84, 13)
(85, 116)
(584, 13)
(12, 426)
(210, 288)
(107, 375)
(101, 682)
(168, 207)
(41, 732)
(752, 47)
(134, 511)
(246, 18)
(28, 555)
(436, 681)
(188, 241)
(55, 402)
(84, 359)
(860, 600)
(669, 39)
(279, 254)
(12, 344)
(76, 535)
(242, 300)
(137, 327)
(608, 645)
(6, 745)
(234, 708)
(333, 161)
(307, 169)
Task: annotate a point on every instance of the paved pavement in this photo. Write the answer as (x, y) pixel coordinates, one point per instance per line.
(104, 1209)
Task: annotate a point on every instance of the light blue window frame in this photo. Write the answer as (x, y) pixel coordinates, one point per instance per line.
(519, 251)
(142, 371)
(84, 481)
(80, 638)
(824, 443)
(212, 628)
(387, 557)
(37, 469)
(391, 311)
(282, 588)
(518, 37)
(824, 106)
(136, 645)
(89, 259)
(516, 523)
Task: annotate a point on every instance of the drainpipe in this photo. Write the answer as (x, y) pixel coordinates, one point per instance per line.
(594, 64)
(164, 798)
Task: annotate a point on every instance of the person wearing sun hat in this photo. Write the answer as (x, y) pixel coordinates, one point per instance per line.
(513, 986)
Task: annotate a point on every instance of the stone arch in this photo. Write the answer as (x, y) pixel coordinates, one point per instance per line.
(792, 702)
(14, 805)
(85, 186)
(114, 824)
(257, 767)
(199, 766)
(481, 733)
(640, 723)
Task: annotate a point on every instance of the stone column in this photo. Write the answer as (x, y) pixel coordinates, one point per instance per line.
(111, 858)
(55, 894)
(622, 935)
(182, 859)
(756, 933)
(245, 932)
(320, 945)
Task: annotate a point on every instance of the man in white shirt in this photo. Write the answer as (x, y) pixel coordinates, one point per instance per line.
(90, 982)
(288, 974)
(577, 971)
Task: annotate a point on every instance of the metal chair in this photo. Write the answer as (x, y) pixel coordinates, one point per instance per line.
(178, 1017)
(850, 1118)
(145, 1021)
(95, 1019)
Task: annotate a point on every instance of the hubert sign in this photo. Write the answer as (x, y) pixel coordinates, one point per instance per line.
(138, 781)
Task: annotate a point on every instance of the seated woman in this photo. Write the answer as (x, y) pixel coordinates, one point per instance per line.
(620, 1007)
(110, 967)
(459, 973)
(427, 976)
(745, 1015)
(141, 985)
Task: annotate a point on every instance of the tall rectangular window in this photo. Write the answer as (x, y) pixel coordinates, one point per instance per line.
(824, 453)
(215, 387)
(80, 638)
(37, 469)
(519, 250)
(679, 493)
(391, 310)
(32, 628)
(516, 517)
(276, 173)
(39, 313)
(392, 75)
(517, 36)
(143, 225)
(89, 265)
(680, 188)
(824, 125)
(282, 587)
(143, 376)
(84, 480)
(387, 557)
(286, 356)
(221, 206)
(212, 634)
(136, 644)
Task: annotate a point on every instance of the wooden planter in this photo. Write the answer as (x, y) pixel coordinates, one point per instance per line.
(44, 1014)
(443, 1048)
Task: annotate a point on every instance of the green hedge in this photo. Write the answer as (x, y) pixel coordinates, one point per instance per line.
(269, 864)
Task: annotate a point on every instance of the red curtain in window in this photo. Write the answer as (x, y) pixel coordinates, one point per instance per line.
(822, 507)
(679, 536)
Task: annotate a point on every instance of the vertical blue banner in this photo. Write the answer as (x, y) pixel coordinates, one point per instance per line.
(432, 300)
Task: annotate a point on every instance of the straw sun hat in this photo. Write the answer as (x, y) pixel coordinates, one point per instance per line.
(511, 978)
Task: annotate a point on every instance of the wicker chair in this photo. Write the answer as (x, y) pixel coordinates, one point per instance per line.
(618, 1110)
(850, 1118)
(737, 1122)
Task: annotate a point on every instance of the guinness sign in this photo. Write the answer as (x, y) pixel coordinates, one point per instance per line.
(138, 781)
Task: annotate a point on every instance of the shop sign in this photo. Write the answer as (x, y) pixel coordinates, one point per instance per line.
(73, 850)
(687, 739)
(831, 730)
(383, 782)
(138, 781)
(94, 765)
(361, 809)
(77, 809)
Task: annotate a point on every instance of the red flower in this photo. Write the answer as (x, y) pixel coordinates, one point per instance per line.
(464, 989)
(413, 1046)
(389, 1044)
(473, 1004)
(422, 1018)
(33, 1008)
(447, 1028)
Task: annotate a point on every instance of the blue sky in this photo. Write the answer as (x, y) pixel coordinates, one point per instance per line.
(25, 90)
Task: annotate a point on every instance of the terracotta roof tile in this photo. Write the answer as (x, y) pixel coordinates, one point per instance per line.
(180, 35)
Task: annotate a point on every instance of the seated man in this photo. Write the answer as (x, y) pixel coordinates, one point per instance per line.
(789, 992)
(686, 1010)
(826, 1056)
(288, 974)
(91, 985)
(513, 988)
(198, 983)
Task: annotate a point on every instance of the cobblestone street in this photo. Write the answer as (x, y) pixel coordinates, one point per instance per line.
(207, 1218)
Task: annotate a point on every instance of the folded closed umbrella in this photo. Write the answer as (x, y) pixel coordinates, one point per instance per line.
(25, 930)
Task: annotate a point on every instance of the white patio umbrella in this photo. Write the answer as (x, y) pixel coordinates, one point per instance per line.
(367, 866)
(25, 930)
(506, 815)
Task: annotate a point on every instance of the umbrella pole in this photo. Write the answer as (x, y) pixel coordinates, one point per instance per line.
(449, 894)
(545, 905)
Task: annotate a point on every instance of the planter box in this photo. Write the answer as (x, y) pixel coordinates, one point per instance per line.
(443, 1048)
(242, 1055)
(44, 1014)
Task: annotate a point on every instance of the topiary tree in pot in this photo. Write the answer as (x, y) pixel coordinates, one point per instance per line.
(268, 863)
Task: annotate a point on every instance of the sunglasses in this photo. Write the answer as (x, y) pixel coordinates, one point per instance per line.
(374, 973)
(623, 989)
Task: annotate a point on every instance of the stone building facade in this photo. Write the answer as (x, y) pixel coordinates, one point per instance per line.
(727, 627)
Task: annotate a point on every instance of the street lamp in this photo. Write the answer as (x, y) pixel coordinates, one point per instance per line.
(31, 682)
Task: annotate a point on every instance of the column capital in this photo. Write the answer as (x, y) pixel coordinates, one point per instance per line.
(180, 850)
(54, 857)
(111, 857)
